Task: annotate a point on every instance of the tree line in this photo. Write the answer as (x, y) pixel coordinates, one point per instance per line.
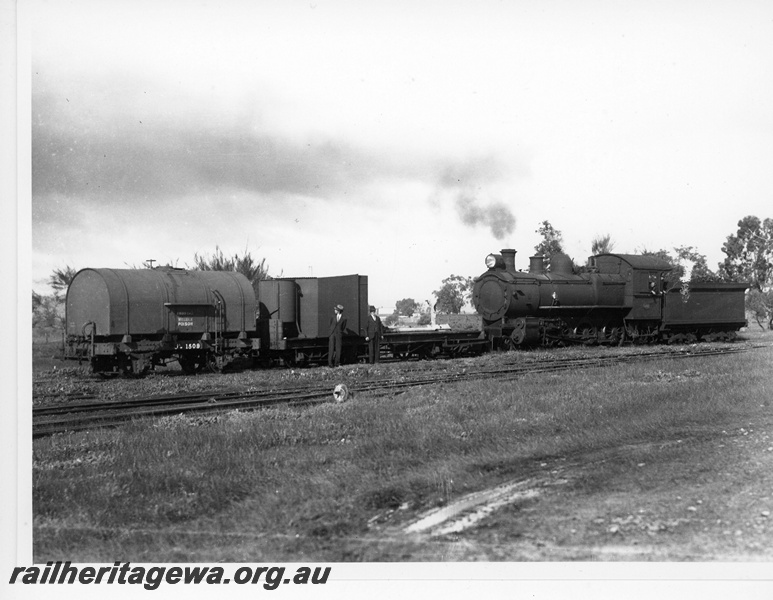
(748, 258)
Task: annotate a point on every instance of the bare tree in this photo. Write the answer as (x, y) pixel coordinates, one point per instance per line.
(61, 279)
(48, 310)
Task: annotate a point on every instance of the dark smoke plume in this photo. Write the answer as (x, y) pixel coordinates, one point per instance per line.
(463, 180)
(496, 216)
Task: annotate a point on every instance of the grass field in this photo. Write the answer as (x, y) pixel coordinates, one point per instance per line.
(308, 484)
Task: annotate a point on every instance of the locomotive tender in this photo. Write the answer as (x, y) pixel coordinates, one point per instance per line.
(619, 297)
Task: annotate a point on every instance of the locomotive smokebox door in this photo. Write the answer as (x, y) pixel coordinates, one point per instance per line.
(492, 297)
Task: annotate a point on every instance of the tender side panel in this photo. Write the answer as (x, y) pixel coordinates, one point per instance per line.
(705, 304)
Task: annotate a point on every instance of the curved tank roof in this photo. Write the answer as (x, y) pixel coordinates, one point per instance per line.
(157, 301)
(640, 261)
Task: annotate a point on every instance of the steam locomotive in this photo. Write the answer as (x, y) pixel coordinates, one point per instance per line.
(618, 297)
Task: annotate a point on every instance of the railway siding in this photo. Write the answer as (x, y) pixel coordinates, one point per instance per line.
(87, 414)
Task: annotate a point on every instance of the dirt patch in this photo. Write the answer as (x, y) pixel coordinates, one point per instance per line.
(704, 496)
(469, 510)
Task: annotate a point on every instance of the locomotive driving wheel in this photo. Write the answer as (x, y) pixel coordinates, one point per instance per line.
(613, 335)
(586, 332)
(589, 335)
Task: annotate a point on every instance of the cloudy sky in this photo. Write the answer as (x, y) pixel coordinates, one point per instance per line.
(402, 140)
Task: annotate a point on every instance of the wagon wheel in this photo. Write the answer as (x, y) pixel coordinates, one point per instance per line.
(132, 367)
(212, 364)
(424, 352)
(192, 364)
(188, 365)
(401, 353)
(289, 359)
(139, 368)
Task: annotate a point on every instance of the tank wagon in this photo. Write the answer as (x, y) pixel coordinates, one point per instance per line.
(129, 320)
(618, 297)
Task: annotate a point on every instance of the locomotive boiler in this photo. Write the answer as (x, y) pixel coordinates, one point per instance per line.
(614, 298)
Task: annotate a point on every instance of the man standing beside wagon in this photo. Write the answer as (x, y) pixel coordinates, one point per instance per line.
(373, 331)
(335, 339)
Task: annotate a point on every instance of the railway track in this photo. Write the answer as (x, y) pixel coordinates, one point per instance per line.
(91, 413)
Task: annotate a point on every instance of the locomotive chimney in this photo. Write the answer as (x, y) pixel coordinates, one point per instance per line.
(508, 255)
(537, 265)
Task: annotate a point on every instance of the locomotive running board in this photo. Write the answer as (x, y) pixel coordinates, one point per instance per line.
(585, 307)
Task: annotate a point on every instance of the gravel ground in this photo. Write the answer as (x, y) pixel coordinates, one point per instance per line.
(704, 496)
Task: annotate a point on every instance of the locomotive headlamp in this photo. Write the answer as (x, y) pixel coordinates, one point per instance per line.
(494, 261)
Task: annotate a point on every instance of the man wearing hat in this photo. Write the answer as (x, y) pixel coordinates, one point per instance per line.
(335, 341)
(373, 331)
